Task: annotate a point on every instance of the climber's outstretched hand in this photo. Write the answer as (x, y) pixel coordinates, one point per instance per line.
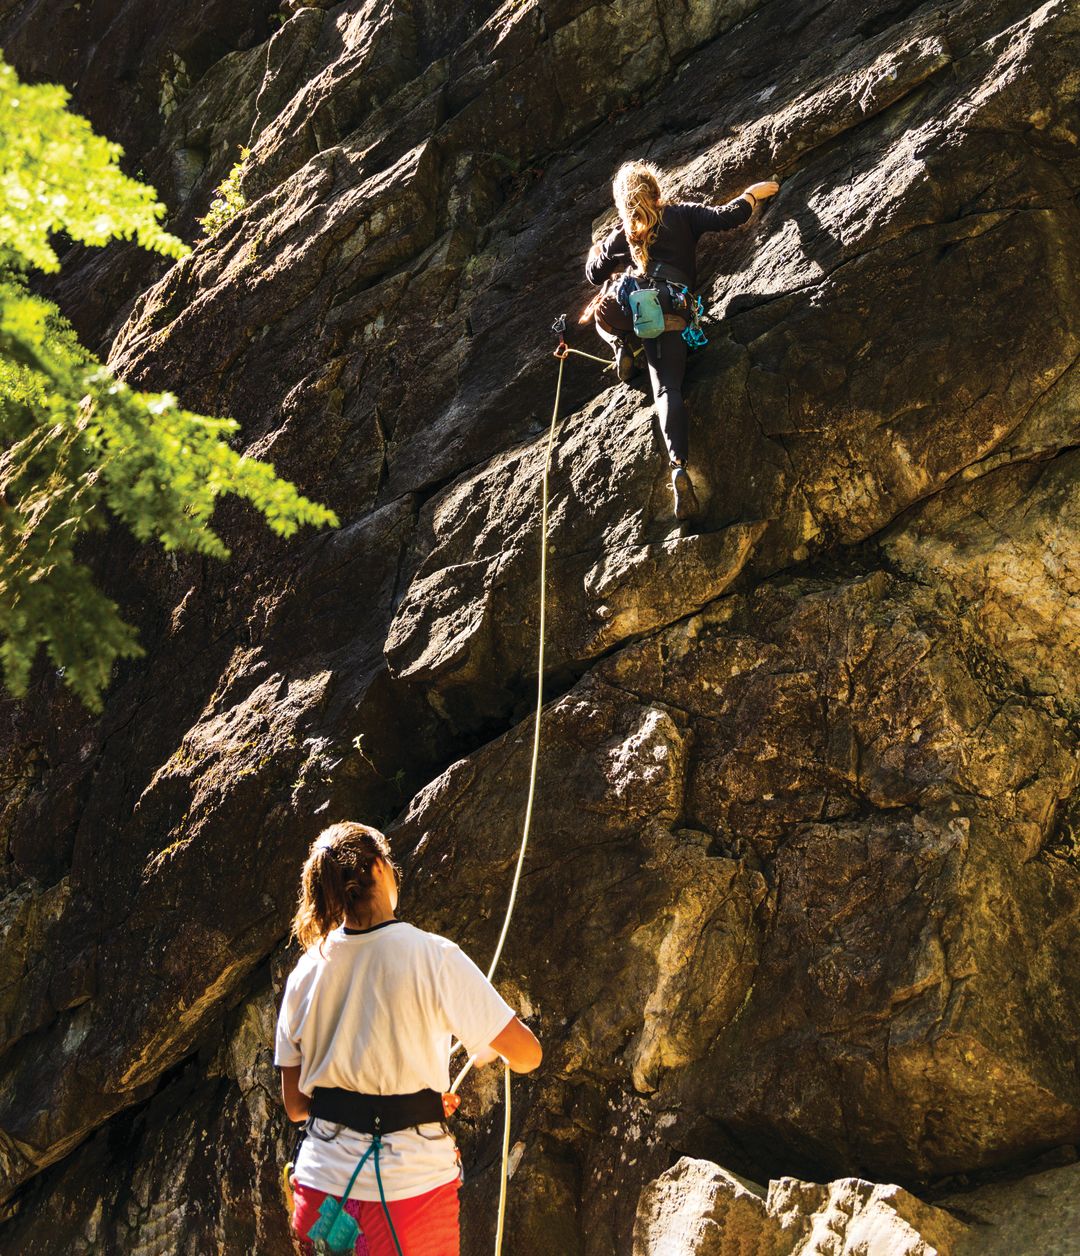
(765, 189)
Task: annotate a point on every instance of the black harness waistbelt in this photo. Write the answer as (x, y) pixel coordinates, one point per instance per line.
(661, 270)
(376, 1114)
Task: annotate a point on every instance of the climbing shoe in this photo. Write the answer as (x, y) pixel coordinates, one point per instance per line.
(624, 363)
(686, 502)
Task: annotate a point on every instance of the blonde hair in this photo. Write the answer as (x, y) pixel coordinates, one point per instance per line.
(640, 201)
(337, 880)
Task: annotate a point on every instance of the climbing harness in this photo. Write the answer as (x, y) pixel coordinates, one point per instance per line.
(366, 1114)
(645, 304)
(379, 1114)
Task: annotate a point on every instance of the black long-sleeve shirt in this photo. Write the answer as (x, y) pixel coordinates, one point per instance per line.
(676, 238)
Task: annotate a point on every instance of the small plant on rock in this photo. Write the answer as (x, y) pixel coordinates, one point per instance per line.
(229, 200)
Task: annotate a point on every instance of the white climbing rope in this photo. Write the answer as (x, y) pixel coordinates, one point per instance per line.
(561, 353)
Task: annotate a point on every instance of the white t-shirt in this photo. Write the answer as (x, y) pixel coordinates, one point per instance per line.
(375, 1012)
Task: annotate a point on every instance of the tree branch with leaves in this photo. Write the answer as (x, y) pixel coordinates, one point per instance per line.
(78, 447)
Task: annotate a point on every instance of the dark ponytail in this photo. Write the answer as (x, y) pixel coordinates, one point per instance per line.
(338, 879)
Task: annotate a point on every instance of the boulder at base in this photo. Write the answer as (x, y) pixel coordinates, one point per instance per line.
(697, 1208)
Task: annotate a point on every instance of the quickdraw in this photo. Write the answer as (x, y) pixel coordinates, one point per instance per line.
(562, 352)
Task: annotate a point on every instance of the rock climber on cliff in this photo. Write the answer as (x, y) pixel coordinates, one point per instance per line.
(652, 251)
(363, 1044)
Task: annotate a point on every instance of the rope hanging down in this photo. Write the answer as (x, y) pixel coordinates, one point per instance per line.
(561, 353)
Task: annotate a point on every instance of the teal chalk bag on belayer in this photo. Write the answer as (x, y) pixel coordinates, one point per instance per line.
(648, 313)
(335, 1231)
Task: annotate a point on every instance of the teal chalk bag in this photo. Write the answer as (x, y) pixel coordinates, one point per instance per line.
(648, 313)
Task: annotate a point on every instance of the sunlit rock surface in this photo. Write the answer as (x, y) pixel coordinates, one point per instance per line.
(1038, 1215)
(802, 898)
(698, 1209)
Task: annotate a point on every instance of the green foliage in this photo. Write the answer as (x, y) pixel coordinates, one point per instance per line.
(229, 200)
(78, 447)
(56, 174)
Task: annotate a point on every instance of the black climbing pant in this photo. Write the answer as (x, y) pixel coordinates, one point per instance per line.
(666, 358)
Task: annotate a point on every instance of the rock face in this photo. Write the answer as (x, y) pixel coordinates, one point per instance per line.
(803, 895)
(1036, 1216)
(132, 66)
(698, 1209)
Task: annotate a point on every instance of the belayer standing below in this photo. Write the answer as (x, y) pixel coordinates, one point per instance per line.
(655, 247)
(363, 1044)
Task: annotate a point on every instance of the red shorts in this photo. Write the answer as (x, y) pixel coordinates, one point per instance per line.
(426, 1225)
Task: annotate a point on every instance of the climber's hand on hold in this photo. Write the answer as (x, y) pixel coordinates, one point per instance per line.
(762, 191)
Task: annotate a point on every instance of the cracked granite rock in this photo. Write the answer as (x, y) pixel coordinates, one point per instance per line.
(804, 885)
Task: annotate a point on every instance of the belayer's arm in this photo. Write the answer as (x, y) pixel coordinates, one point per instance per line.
(297, 1104)
(518, 1046)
